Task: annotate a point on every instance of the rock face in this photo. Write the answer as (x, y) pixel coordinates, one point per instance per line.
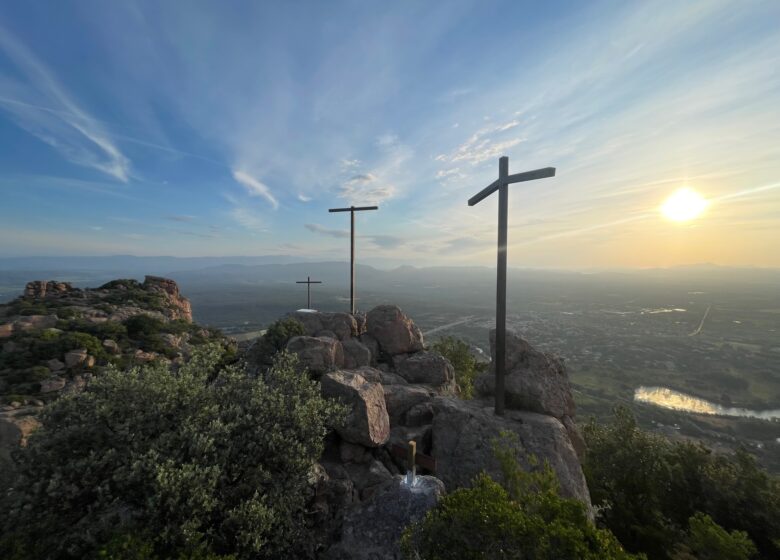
(534, 381)
(394, 332)
(317, 354)
(43, 288)
(372, 529)
(342, 325)
(176, 305)
(368, 423)
(462, 434)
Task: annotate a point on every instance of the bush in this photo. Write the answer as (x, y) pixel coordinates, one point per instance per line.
(217, 466)
(647, 488)
(143, 325)
(466, 366)
(526, 518)
(275, 339)
(706, 540)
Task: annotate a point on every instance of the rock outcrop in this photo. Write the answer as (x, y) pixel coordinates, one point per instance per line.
(397, 391)
(175, 306)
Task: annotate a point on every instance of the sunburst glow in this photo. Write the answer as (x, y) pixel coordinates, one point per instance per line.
(683, 205)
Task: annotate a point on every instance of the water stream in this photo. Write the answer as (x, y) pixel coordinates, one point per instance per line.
(675, 400)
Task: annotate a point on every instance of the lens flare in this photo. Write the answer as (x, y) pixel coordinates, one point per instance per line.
(683, 205)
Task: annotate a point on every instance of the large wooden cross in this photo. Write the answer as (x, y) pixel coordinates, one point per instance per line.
(308, 283)
(502, 186)
(352, 210)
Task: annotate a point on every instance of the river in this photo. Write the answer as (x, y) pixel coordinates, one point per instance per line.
(675, 400)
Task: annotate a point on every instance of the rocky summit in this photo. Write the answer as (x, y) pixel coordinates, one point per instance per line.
(55, 336)
(396, 391)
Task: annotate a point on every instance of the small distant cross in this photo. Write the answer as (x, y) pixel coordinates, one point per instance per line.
(308, 283)
(352, 210)
(502, 186)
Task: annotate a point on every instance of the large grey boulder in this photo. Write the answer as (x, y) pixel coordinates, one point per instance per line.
(427, 368)
(462, 436)
(535, 380)
(356, 355)
(367, 421)
(394, 332)
(373, 528)
(400, 398)
(317, 354)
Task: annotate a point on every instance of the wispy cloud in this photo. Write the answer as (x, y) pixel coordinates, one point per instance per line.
(248, 219)
(365, 188)
(181, 218)
(71, 131)
(255, 187)
(304, 198)
(317, 228)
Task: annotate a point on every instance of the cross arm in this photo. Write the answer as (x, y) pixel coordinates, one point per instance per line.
(516, 178)
(353, 209)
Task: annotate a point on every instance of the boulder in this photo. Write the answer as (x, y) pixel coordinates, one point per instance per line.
(111, 346)
(367, 476)
(372, 529)
(353, 453)
(419, 415)
(534, 381)
(394, 332)
(6, 330)
(577, 441)
(355, 354)
(428, 368)
(373, 346)
(317, 354)
(75, 358)
(367, 421)
(400, 398)
(55, 365)
(16, 425)
(342, 325)
(52, 385)
(43, 288)
(144, 357)
(462, 436)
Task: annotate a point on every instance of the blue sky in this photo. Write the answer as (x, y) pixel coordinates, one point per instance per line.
(229, 128)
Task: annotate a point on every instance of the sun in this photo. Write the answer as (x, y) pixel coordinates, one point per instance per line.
(683, 205)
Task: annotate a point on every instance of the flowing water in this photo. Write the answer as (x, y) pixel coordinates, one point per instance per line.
(675, 400)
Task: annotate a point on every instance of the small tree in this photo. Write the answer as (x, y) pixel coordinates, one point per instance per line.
(466, 366)
(274, 340)
(706, 540)
(195, 466)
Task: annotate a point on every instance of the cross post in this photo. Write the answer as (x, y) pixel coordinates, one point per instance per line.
(352, 210)
(308, 283)
(502, 186)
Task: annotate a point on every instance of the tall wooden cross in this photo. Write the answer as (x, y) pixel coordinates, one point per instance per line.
(502, 186)
(308, 283)
(352, 210)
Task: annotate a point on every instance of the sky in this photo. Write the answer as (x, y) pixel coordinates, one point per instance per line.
(229, 128)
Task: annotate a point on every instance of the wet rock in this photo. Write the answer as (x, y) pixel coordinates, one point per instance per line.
(372, 529)
(367, 422)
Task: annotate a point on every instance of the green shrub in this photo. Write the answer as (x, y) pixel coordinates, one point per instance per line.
(466, 366)
(275, 339)
(218, 465)
(525, 518)
(143, 325)
(647, 488)
(706, 540)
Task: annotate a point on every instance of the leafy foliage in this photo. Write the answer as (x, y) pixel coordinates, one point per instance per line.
(647, 488)
(275, 339)
(466, 366)
(205, 460)
(706, 540)
(525, 518)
